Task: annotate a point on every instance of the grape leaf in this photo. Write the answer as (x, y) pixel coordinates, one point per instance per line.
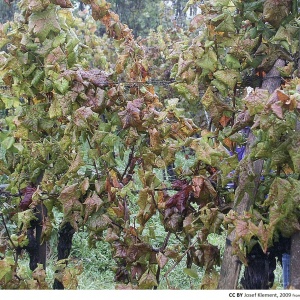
(208, 61)
(41, 23)
(92, 203)
(147, 280)
(191, 272)
(69, 197)
(162, 260)
(228, 77)
(214, 105)
(256, 100)
(227, 25)
(293, 149)
(132, 115)
(55, 109)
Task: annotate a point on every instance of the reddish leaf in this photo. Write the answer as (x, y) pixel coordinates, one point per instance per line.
(137, 271)
(69, 197)
(179, 184)
(64, 3)
(196, 22)
(111, 235)
(161, 259)
(136, 251)
(121, 250)
(206, 255)
(27, 199)
(179, 200)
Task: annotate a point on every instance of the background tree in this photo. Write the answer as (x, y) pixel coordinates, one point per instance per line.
(7, 11)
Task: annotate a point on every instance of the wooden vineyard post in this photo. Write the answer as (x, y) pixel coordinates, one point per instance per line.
(231, 266)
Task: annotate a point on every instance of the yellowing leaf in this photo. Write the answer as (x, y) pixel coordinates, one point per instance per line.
(55, 109)
(121, 63)
(228, 77)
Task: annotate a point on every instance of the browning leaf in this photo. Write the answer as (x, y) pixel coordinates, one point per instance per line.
(275, 11)
(132, 115)
(92, 204)
(69, 197)
(214, 105)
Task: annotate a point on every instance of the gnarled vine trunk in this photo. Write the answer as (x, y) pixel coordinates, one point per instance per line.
(231, 265)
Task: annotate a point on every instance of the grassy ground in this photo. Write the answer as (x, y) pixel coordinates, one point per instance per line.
(98, 265)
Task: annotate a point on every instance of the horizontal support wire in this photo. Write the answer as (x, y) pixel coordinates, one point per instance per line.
(125, 83)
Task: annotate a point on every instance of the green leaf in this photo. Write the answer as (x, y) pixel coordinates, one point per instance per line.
(227, 166)
(59, 39)
(31, 68)
(37, 78)
(190, 272)
(10, 101)
(8, 142)
(227, 25)
(232, 62)
(223, 89)
(6, 268)
(61, 85)
(208, 61)
(24, 218)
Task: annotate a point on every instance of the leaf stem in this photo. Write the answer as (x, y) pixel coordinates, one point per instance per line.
(8, 234)
(180, 259)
